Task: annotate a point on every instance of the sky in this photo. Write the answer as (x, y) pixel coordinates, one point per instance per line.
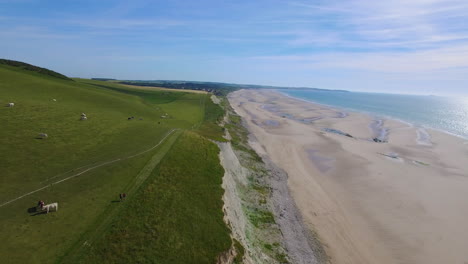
(392, 46)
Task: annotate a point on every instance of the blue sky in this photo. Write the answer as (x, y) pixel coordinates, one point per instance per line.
(395, 46)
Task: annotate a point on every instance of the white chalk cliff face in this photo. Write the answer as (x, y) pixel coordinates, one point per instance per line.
(397, 200)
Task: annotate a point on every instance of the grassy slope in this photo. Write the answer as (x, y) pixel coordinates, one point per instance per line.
(28, 163)
(29, 67)
(209, 128)
(176, 217)
(178, 105)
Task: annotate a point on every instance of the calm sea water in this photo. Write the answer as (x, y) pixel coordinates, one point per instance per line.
(441, 113)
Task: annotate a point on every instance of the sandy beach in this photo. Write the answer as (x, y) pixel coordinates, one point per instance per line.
(402, 200)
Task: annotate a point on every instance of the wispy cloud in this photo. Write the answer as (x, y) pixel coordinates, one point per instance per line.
(33, 32)
(391, 62)
(126, 24)
(394, 21)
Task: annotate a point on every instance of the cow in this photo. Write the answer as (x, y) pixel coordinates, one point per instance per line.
(10, 104)
(43, 136)
(53, 207)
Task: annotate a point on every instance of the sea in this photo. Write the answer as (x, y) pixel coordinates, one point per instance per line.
(448, 114)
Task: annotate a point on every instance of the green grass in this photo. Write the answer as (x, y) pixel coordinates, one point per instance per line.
(176, 217)
(95, 230)
(260, 217)
(27, 161)
(153, 97)
(178, 105)
(240, 252)
(86, 202)
(210, 128)
(43, 238)
(240, 135)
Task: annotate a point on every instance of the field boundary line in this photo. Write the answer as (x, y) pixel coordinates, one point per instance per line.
(89, 169)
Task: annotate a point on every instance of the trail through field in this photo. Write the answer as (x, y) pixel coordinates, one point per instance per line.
(87, 170)
(201, 102)
(106, 217)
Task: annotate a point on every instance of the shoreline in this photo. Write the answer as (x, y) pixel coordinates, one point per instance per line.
(255, 182)
(369, 202)
(302, 245)
(371, 114)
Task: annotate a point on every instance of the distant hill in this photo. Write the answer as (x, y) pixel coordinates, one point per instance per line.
(102, 79)
(212, 87)
(29, 67)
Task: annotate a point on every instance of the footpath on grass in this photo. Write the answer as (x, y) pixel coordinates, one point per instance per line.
(86, 170)
(102, 223)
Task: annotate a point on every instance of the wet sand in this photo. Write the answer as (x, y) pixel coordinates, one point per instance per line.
(401, 201)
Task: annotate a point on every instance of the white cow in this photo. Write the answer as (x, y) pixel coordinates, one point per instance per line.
(11, 104)
(53, 207)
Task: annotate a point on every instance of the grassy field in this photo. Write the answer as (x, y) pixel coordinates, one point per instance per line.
(175, 217)
(209, 128)
(124, 152)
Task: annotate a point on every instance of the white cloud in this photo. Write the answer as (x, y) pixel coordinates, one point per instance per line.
(391, 62)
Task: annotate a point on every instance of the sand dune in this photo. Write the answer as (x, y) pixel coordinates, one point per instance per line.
(404, 201)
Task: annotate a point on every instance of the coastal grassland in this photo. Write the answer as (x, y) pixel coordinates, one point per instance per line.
(174, 106)
(32, 69)
(176, 216)
(213, 117)
(46, 104)
(156, 88)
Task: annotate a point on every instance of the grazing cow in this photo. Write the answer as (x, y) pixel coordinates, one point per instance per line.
(11, 104)
(43, 135)
(55, 100)
(83, 118)
(53, 207)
